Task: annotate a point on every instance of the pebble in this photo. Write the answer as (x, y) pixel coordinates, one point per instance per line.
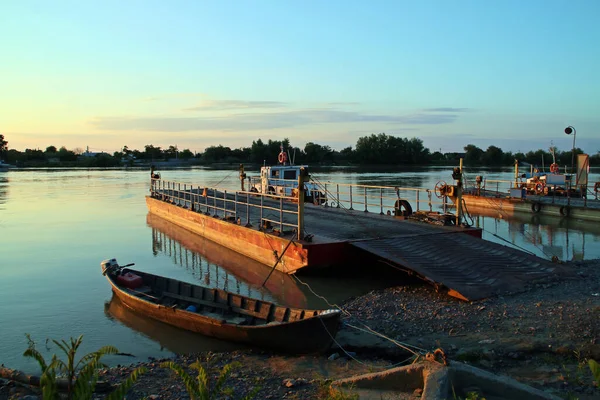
(289, 383)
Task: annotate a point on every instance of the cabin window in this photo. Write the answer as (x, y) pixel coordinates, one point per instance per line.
(275, 174)
(291, 174)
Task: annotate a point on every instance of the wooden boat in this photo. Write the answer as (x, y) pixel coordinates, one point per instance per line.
(221, 314)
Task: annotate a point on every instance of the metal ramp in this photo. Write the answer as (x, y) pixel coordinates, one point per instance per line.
(470, 268)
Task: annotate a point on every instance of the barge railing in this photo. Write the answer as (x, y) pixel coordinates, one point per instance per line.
(374, 198)
(585, 196)
(239, 207)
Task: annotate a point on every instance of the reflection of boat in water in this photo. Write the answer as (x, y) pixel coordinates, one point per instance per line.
(196, 252)
(221, 314)
(176, 340)
(5, 166)
(564, 238)
(3, 189)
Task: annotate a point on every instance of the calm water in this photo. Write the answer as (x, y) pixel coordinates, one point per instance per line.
(57, 225)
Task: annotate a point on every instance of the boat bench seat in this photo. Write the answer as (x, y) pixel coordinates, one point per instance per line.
(213, 304)
(228, 319)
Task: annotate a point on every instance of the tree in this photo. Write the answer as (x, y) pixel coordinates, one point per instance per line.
(493, 156)
(473, 154)
(315, 153)
(3, 144)
(171, 152)
(66, 155)
(51, 149)
(217, 153)
(347, 154)
(186, 154)
(152, 153)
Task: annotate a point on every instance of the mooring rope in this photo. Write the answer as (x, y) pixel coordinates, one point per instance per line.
(405, 346)
(496, 207)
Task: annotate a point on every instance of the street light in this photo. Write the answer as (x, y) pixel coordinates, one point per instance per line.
(568, 130)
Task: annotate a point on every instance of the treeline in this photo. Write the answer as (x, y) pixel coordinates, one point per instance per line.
(376, 149)
(494, 156)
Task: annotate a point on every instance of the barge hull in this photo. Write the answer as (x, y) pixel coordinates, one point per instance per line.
(557, 207)
(252, 243)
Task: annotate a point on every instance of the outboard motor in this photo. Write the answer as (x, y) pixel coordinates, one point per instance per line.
(110, 266)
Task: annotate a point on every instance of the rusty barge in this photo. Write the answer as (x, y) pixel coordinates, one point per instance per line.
(549, 194)
(352, 224)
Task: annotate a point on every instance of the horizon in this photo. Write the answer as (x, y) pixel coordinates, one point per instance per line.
(85, 149)
(199, 74)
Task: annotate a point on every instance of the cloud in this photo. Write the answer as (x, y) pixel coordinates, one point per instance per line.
(263, 121)
(342, 103)
(447, 109)
(235, 104)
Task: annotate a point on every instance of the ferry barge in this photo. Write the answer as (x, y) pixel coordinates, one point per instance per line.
(345, 224)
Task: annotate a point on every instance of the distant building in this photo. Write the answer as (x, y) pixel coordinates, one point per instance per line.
(88, 153)
(454, 156)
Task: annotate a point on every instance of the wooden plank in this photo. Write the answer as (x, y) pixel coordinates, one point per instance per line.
(213, 304)
(196, 301)
(470, 268)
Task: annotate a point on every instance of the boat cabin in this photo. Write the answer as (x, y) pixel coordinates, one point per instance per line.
(282, 180)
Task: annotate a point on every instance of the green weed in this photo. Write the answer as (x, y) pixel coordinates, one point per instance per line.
(595, 368)
(81, 376)
(200, 389)
(328, 392)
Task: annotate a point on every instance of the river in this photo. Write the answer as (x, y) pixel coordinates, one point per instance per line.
(57, 225)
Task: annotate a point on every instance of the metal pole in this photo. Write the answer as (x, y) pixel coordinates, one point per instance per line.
(337, 193)
(261, 211)
(417, 199)
(215, 202)
(281, 215)
(516, 174)
(301, 204)
(568, 130)
(247, 209)
(351, 198)
(380, 201)
(459, 195)
(366, 201)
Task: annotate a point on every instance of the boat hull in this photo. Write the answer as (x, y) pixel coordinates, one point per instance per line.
(310, 335)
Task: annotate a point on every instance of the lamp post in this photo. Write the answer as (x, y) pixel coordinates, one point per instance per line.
(568, 130)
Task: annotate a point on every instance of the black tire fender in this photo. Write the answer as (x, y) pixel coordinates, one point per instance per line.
(403, 204)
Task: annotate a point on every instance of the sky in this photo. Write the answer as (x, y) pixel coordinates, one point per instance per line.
(107, 74)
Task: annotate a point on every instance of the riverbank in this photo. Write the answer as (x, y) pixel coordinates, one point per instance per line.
(542, 337)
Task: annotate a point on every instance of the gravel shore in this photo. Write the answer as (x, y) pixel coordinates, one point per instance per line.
(542, 337)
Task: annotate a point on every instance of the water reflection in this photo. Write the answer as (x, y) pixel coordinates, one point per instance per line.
(3, 190)
(168, 337)
(218, 267)
(544, 235)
